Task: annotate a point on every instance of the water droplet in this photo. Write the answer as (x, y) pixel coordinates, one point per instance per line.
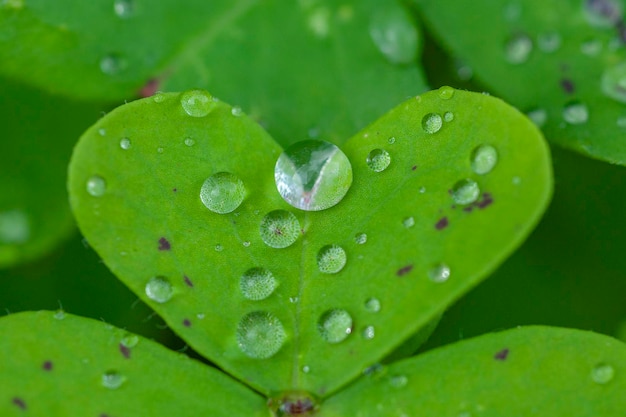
(14, 227)
(159, 97)
(331, 259)
(393, 31)
(591, 47)
(236, 111)
(465, 191)
(516, 180)
(313, 175)
(422, 190)
(439, 273)
(306, 369)
(222, 192)
(398, 381)
(112, 64)
(512, 11)
(293, 300)
(391, 140)
(360, 238)
(484, 158)
(369, 333)
(190, 142)
(575, 113)
(335, 325)
(125, 143)
(538, 116)
(246, 244)
(463, 71)
(160, 149)
(448, 116)
(130, 340)
(431, 123)
(319, 22)
(112, 379)
(124, 8)
(201, 316)
(102, 132)
(603, 13)
(549, 42)
(59, 314)
(159, 289)
(372, 305)
(197, 103)
(602, 373)
(518, 49)
(446, 92)
(614, 82)
(378, 160)
(279, 229)
(621, 122)
(257, 284)
(408, 222)
(260, 335)
(96, 186)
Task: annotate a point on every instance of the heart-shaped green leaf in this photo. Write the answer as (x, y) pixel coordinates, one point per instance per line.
(563, 62)
(353, 60)
(62, 365)
(521, 372)
(444, 187)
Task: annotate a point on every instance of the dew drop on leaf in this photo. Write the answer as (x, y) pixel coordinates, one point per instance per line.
(549, 42)
(360, 238)
(614, 82)
(484, 158)
(408, 222)
(335, 325)
(236, 111)
(96, 186)
(431, 123)
(446, 92)
(124, 8)
(465, 191)
(189, 142)
(14, 227)
(159, 289)
(59, 314)
(394, 34)
(518, 48)
(439, 273)
(113, 64)
(369, 333)
(260, 335)
(331, 259)
(602, 373)
(591, 47)
(125, 143)
(197, 103)
(112, 379)
(222, 192)
(219, 248)
(130, 340)
(575, 113)
(257, 284)
(378, 160)
(159, 97)
(538, 116)
(398, 381)
(313, 175)
(279, 229)
(372, 305)
(448, 116)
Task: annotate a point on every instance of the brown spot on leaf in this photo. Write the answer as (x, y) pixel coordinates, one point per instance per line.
(164, 244)
(150, 88)
(188, 281)
(442, 223)
(404, 270)
(414, 167)
(19, 403)
(187, 323)
(567, 85)
(501, 355)
(47, 366)
(125, 351)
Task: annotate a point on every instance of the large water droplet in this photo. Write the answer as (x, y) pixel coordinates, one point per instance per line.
(393, 32)
(124, 8)
(125, 143)
(112, 379)
(313, 175)
(360, 238)
(614, 82)
(465, 191)
(484, 158)
(378, 160)
(14, 227)
(197, 103)
(222, 192)
(279, 229)
(113, 64)
(431, 123)
(439, 273)
(602, 373)
(335, 325)
(518, 48)
(159, 289)
(575, 113)
(257, 284)
(96, 186)
(331, 259)
(372, 305)
(260, 335)
(603, 13)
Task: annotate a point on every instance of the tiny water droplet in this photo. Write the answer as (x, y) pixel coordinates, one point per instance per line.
(279, 229)
(130, 340)
(518, 48)
(112, 379)
(59, 314)
(621, 122)
(538, 116)
(549, 42)
(112, 64)
(331, 259)
(408, 222)
(603, 13)
(446, 92)
(372, 305)
(614, 82)
(159, 97)
(465, 191)
(124, 8)
(463, 71)
(369, 333)
(484, 158)
(335, 325)
(422, 190)
(313, 175)
(602, 373)
(293, 300)
(219, 248)
(125, 143)
(394, 34)
(591, 47)
(431, 123)
(96, 186)
(391, 140)
(306, 369)
(236, 111)
(448, 116)
(398, 381)
(360, 238)
(439, 273)
(260, 335)
(200, 316)
(246, 243)
(160, 149)
(257, 284)
(102, 132)
(575, 113)
(378, 160)
(222, 192)
(516, 180)
(159, 289)
(14, 227)
(197, 103)
(189, 142)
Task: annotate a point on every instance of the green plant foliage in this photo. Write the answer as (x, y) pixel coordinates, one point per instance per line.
(430, 212)
(514, 373)
(306, 68)
(37, 139)
(560, 61)
(63, 365)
